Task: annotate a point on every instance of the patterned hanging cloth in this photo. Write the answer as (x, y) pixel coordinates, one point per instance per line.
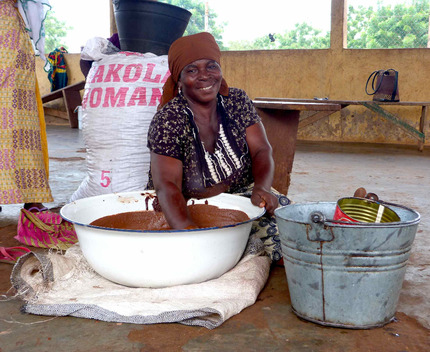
(57, 73)
(23, 147)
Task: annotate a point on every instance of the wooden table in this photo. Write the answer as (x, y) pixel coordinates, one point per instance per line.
(72, 99)
(281, 121)
(374, 106)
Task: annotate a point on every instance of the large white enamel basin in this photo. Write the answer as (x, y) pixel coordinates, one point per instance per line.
(158, 258)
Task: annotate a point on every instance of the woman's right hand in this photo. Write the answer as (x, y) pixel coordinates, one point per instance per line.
(167, 178)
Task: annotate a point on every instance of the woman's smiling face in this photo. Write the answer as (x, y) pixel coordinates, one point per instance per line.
(200, 81)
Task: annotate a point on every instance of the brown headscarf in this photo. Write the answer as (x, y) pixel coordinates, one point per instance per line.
(184, 51)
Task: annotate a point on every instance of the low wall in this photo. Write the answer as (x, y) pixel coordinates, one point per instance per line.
(337, 74)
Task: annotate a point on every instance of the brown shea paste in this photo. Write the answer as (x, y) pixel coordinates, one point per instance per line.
(203, 215)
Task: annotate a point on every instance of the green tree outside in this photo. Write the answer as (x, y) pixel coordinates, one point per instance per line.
(398, 26)
(197, 20)
(303, 36)
(55, 32)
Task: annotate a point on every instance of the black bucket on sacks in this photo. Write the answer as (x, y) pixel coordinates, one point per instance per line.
(149, 26)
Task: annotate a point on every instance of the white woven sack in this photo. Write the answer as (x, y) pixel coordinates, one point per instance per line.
(121, 96)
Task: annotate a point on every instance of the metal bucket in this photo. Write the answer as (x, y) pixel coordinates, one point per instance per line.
(344, 274)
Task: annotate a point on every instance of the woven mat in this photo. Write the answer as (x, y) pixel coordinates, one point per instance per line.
(56, 284)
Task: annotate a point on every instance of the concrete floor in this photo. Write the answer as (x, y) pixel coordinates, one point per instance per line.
(321, 172)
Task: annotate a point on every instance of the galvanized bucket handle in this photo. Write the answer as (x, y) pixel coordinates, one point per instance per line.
(317, 217)
(317, 231)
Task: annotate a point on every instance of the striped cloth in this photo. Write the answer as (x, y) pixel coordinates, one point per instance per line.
(23, 146)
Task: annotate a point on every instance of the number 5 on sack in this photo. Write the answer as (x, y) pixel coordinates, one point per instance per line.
(105, 178)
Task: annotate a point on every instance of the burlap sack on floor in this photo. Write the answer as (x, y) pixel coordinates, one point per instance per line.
(65, 285)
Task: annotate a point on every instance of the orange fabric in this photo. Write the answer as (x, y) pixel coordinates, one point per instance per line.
(184, 51)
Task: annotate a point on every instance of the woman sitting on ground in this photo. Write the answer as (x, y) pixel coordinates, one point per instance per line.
(207, 139)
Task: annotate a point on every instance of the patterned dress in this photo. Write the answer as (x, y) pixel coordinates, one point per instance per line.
(174, 133)
(23, 158)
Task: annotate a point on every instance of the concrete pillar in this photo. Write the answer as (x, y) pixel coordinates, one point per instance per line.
(113, 28)
(338, 32)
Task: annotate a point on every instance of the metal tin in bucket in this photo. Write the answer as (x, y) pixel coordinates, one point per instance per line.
(354, 209)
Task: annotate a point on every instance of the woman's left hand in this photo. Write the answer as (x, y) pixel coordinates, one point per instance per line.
(262, 198)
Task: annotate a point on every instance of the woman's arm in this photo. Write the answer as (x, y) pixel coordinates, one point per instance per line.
(262, 167)
(167, 178)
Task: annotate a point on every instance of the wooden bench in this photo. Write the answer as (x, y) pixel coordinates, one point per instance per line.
(375, 106)
(72, 98)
